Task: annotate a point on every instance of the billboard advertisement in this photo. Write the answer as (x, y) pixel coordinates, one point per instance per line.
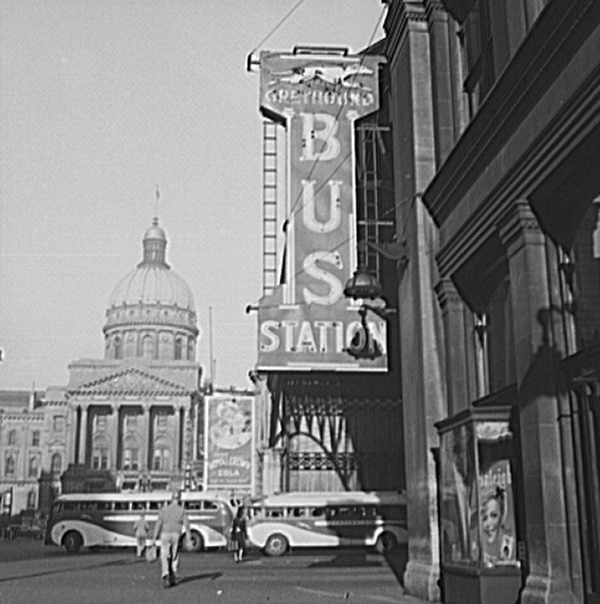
(229, 442)
(307, 323)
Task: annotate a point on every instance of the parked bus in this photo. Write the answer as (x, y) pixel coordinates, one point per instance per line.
(280, 522)
(107, 519)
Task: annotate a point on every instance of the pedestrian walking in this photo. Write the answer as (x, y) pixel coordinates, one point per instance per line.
(141, 529)
(169, 525)
(239, 534)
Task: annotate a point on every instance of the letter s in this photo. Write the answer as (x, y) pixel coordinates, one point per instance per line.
(335, 285)
(268, 329)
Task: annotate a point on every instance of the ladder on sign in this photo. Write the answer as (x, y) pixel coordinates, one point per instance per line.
(269, 207)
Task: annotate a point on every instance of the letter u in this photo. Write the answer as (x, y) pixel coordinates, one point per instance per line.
(309, 210)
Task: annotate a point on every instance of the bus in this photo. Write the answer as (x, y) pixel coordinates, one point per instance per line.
(106, 519)
(279, 522)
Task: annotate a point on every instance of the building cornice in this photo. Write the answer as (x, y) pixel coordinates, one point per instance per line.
(401, 15)
(536, 68)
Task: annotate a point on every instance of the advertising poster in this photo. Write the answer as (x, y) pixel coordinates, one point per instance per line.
(229, 441)
(308, 323)
(497, 515)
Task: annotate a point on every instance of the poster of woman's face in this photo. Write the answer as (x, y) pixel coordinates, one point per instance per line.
(497, 516)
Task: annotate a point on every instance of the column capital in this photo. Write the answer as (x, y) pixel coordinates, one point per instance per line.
(519, 226)
(448, 295)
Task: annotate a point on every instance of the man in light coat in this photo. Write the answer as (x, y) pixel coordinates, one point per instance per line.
(170, 524)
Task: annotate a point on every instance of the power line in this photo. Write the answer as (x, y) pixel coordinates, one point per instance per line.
(293, 211)
(283, 20)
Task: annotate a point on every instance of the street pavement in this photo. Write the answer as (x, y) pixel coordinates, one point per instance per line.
(31, 572)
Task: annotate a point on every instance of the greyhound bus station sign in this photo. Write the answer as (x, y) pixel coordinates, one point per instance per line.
(307, 323)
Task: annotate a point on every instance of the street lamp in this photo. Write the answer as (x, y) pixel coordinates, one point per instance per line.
(365, 286)
(362, 284)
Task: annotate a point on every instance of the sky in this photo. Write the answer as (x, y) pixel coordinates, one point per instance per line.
(100, 102)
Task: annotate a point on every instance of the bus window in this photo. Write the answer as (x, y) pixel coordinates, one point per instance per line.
(139, 505)
(254, 512)
(192, 505)
(317, 512)
(122, 505)
(155, 505)
(369, 511)
(210, 505)
(104, 506)
(87, 506)
(330, 512)
(274, 513)
(57, 508)
(297, 512)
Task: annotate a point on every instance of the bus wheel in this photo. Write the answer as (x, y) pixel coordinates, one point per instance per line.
(276, 545)
(386, 543)
(195, 544)
(72, 542)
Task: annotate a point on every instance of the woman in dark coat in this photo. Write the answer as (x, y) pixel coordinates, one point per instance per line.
(239, 534)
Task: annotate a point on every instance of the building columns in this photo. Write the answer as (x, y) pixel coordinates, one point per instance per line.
(538, 375)
(83, 433)
(145, 438)
(423, 392)
(457, 348)
(114, 432)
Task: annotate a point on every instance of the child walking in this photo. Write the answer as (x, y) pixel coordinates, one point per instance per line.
(141, 529)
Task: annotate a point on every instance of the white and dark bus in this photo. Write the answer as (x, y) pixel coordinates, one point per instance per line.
(107, 519)
(279, 522)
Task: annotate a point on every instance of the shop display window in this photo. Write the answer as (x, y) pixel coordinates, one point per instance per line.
(477, 512)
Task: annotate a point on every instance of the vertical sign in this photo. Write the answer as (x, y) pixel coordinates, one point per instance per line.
(308, 324)
(229, 442)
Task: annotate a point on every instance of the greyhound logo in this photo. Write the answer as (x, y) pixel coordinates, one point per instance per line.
(339, 76)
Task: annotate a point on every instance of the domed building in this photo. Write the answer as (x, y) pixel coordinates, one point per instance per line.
(135, 412)
(151, 313)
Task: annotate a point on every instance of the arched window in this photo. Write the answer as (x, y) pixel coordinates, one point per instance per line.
(162, 458)
(118, 346)
(100, 454)
(131, 454)
(148, 347)
(12, 437)
(31, 500)
(33, 467)
(56, 463)
(178, 349)
(9, 466)
(35, 438)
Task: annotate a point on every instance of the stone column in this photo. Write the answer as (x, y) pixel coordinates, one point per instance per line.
(180, 436)
(114, 432)
(176, 438)
(195, 412)
(457, 349)
(150, 450)
(423, 392)
(83, 432)
(537, 364)
(145, 433)
(119, 437)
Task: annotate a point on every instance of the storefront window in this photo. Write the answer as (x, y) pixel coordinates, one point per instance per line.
(459, 496)
(476, 490)
(496, 511)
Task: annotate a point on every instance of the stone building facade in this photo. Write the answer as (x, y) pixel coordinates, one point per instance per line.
(135, 412)
(128, 421)
(34, 448)
(496, 118)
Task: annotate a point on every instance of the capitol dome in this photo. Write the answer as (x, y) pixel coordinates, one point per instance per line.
(151, 311)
